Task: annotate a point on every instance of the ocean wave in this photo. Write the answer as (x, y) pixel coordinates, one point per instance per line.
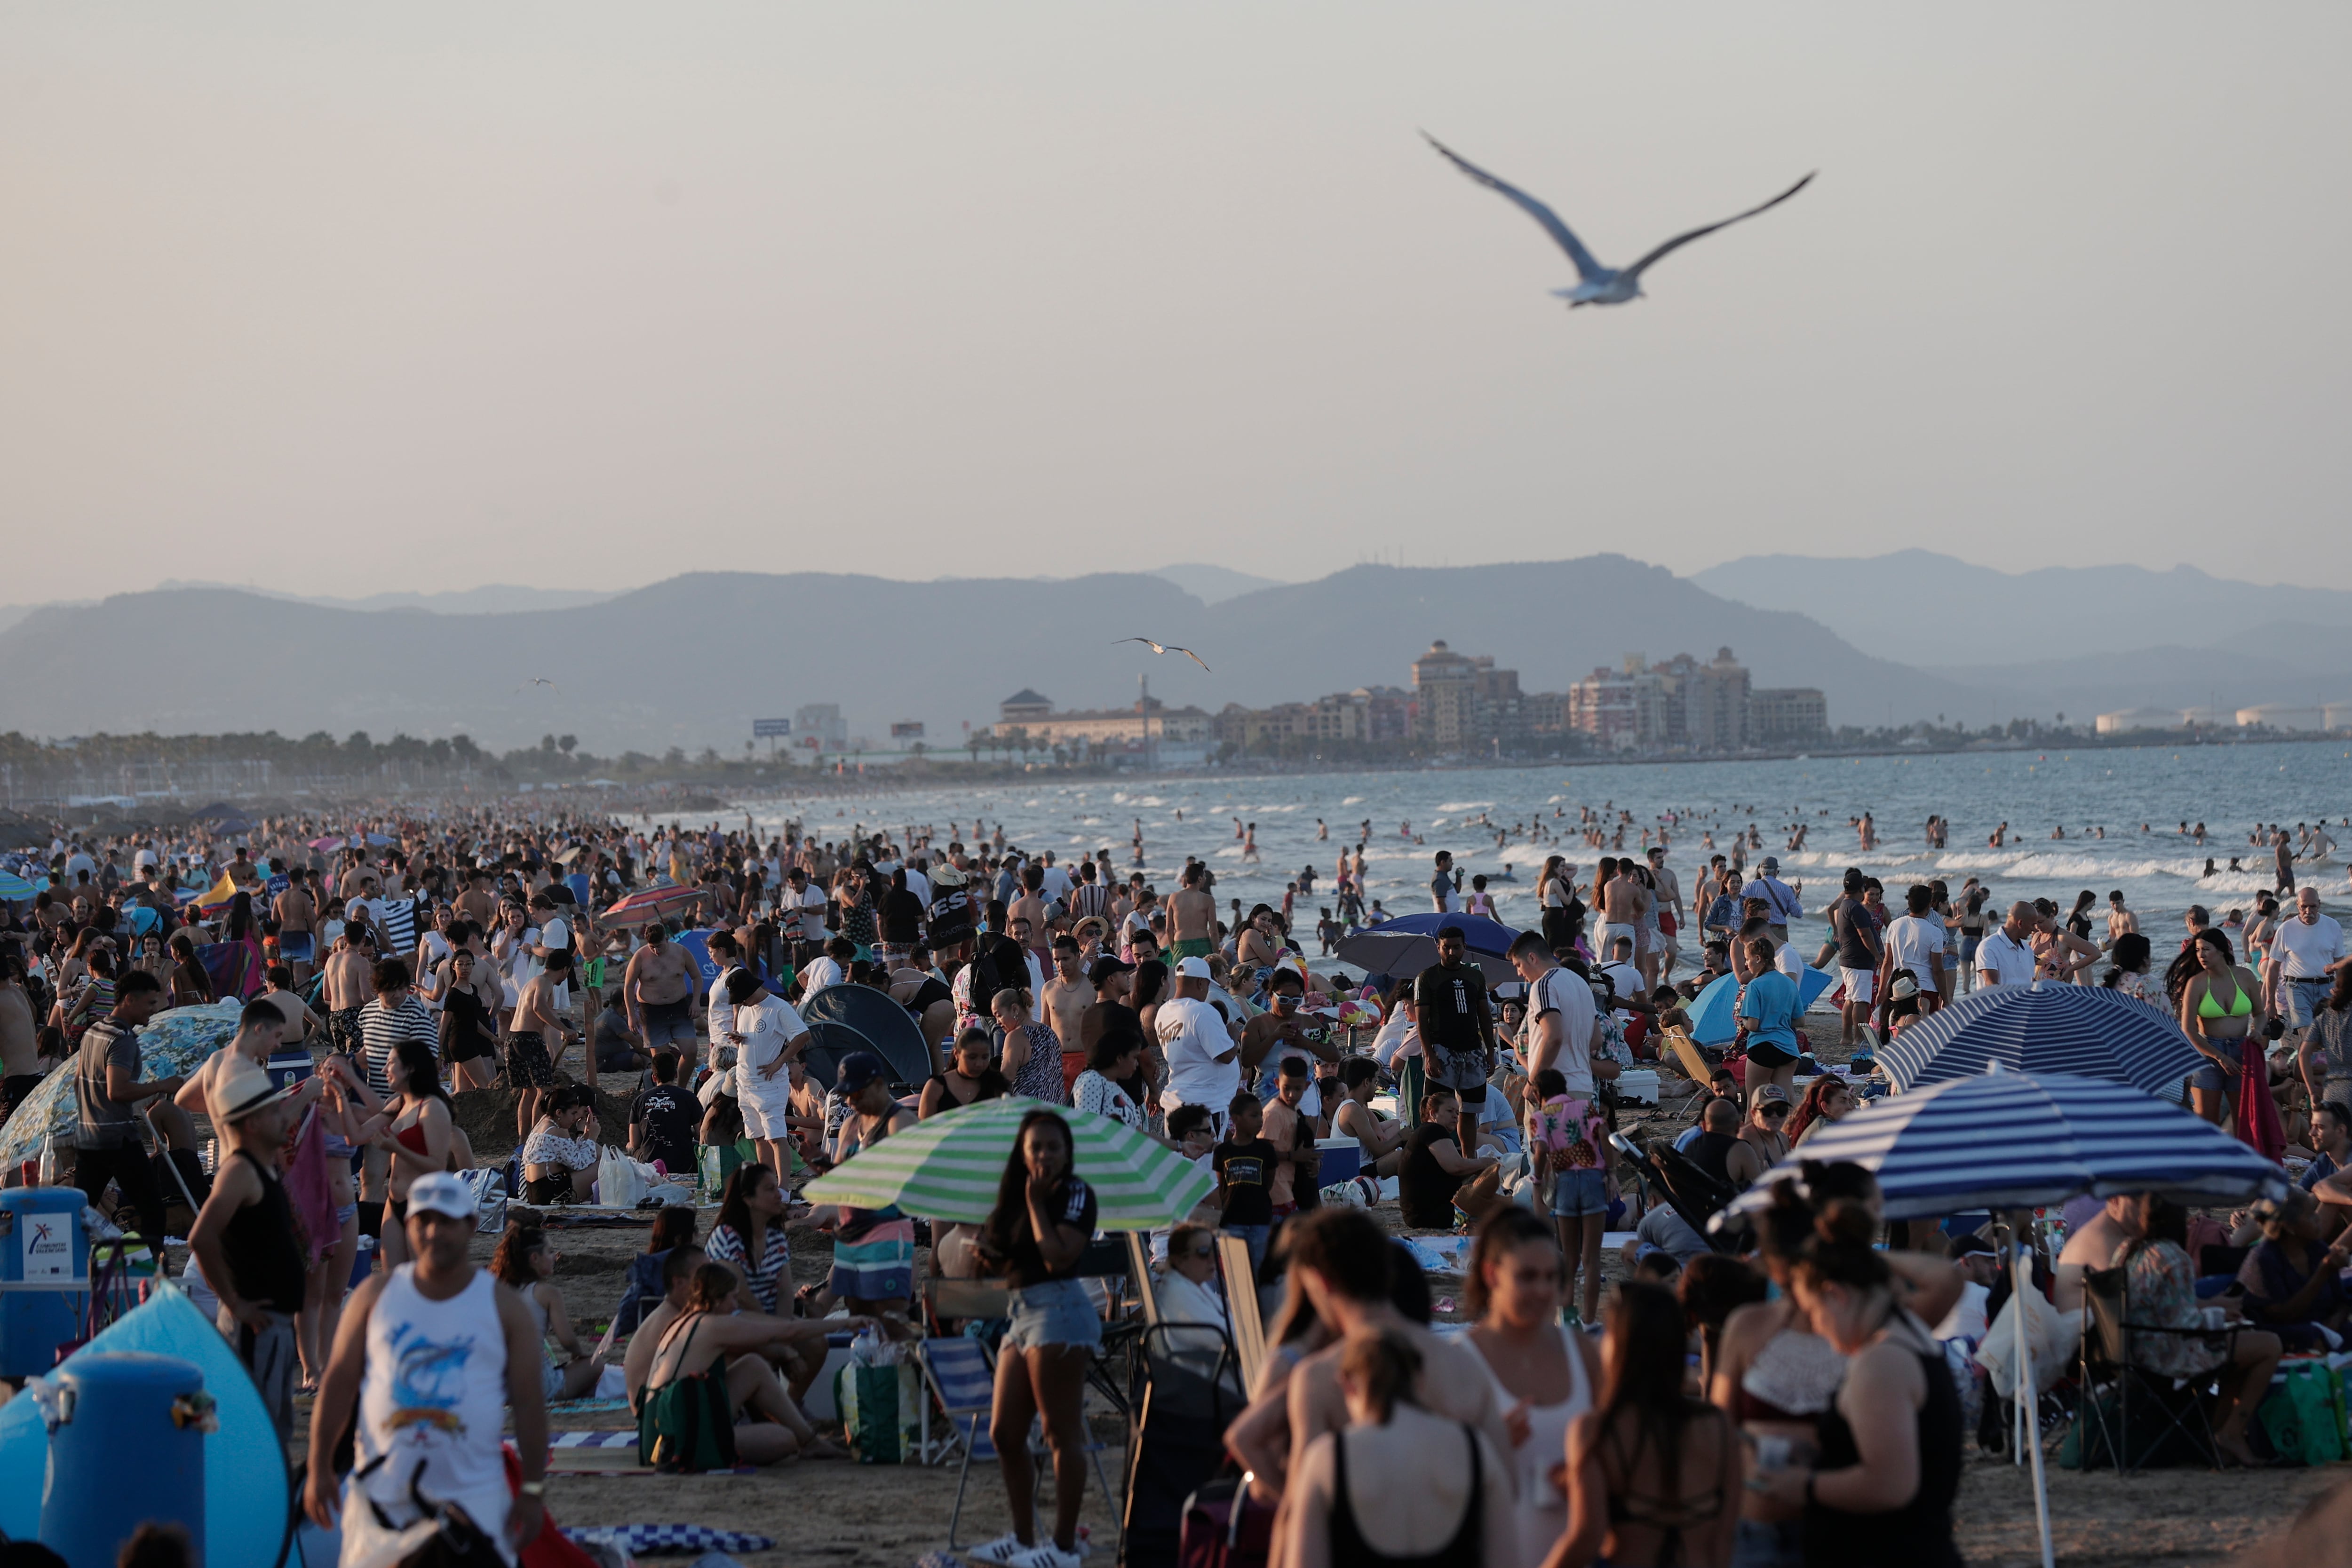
(1123, 798)
(1230, 852)
(1463, 805)
(1353, 800)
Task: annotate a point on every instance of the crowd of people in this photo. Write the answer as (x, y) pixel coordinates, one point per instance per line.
(413, 960)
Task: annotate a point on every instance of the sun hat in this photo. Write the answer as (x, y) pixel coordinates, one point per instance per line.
(246, 1088)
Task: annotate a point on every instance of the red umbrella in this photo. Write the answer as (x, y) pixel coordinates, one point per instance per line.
(649, 902)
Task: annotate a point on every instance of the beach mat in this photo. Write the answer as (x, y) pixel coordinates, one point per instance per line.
(671, 1539)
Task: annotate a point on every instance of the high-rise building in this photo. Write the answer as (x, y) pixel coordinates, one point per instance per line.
(1461, 701)
(1680, 705)
(1779, 714)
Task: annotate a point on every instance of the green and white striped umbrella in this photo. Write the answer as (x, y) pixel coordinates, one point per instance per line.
(948, 1167)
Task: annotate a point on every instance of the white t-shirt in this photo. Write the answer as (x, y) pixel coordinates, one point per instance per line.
(2003, 961)
(556, 932)
(2303, 952)
(1910, 940)
(1967, 1319)
(1057, 884)
(722, 1015)
(810, 902)
(1191, 1035)
(767, 1026)
(1564, 992)
(820, 973)
(920, 885)
(1789, 962)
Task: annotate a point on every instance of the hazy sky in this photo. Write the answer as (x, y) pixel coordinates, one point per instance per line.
(345, 298)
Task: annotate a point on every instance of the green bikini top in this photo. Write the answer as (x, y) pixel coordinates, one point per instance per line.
(2207, 1007)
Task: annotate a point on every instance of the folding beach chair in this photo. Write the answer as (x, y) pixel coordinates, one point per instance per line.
(1241, 1305)
(961, 1377)
(2170, 1411)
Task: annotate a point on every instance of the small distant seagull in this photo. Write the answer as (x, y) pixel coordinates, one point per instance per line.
(1167, 648)
(541, 681)
(1596, 284)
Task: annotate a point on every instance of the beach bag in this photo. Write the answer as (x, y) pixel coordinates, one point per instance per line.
(881, 1411)
(1225, 1527)
(2303, 1415)
(2051, 1336)
(685, 1428)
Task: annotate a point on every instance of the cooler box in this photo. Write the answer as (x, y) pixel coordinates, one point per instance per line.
(1638, 1086)
(1343, 1160)
(44, 1270)
(290, 1067)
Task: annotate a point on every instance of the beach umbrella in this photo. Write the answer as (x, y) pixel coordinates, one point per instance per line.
(2013, 1141)
(947, 1167)
(1404, 947)
(2048, 1026)
(1713, 1019)
(15, 887)
(329, 844)
(648, 903)
(172, 1042)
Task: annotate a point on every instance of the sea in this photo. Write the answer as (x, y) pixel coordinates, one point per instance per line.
(2121, 811)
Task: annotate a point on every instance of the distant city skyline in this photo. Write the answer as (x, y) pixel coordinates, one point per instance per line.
(346, 301)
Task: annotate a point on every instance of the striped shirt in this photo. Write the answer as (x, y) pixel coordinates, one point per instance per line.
(382, 1030)
(775, 1262)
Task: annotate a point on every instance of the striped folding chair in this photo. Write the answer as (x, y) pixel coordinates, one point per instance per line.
(962, 1378)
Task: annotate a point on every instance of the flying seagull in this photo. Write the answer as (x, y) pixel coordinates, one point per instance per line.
(1167, 648)
(541, 681)
(1596, 284)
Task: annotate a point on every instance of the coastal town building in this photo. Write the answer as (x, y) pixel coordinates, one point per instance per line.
(1030, 715)
(1679, 704)
(1778, 716)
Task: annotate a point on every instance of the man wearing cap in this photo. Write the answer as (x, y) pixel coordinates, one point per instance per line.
(1202, 1050)
(244, 1236)
(434, 1353)
(767, 1033)
(1457, 1030)
(1781, 905)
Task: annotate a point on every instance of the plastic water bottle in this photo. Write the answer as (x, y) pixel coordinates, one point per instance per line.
(50, 1173)
(865, 1349)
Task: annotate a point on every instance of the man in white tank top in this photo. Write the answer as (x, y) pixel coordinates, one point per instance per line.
(444, 1349)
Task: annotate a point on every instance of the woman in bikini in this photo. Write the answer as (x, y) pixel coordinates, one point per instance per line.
(2216, 998)
(970, 1077)
(414, 1127)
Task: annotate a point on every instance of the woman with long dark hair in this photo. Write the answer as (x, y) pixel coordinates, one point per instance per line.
(1653, 1474)
(2217, 1000)
(415, 1128)
(1544, 1372)
(1043, 1217)
(2129, 961)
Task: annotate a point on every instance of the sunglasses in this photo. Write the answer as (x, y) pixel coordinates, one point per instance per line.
(1776, 1110)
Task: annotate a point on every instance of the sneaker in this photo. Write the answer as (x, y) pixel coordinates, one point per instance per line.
(1045, 1554)
(1007, 1551)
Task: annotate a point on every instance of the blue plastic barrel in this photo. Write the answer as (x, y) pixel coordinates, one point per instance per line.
(44, 1243)
(129, 1449)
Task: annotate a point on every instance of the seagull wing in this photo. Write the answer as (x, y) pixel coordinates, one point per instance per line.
(1145, 640)
(1191, 655)
(1680, 240)
(1586, 267)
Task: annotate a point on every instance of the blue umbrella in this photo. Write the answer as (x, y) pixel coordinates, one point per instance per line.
(2083, 1031)
(1713, 1021)
(2010, 1140)
(1406, 945)
(2006, 1140)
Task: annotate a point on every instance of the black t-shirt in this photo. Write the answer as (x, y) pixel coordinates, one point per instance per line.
(1075, 1207)
(928, 992)
(1247, 1172)
(950, 917)
(1451, 1010)
(1857, 934)
(902, 917)
(670, 1115)
(1425, 1189)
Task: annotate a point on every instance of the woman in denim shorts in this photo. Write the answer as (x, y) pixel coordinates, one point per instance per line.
(1044, 1215)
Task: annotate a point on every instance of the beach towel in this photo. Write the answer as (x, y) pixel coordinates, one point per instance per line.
(671, 1539)
(234, 968)
(2258, 1118)
(310, 1191)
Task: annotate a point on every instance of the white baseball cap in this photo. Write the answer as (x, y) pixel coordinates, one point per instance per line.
(441, 1193)
(1193, 970)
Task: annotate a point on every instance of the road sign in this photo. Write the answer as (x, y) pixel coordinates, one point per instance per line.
(762, 728)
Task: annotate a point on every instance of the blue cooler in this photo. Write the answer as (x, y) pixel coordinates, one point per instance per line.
(43, 1273)
(129, 1448)
(1343, 1160)
(290, 1067)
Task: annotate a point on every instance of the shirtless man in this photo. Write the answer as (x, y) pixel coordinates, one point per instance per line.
(297, 915)
(2121, 921)
(657, 994)
(475, 903)
(530, 1063)
(19, 1038)
(1195, 916)
(350, 985)
(1031, 906)
(1066, 997)
(1622, 903)
(1670, 898)
(301, 1023)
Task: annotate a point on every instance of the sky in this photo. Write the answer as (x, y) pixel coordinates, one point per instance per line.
(345, 299)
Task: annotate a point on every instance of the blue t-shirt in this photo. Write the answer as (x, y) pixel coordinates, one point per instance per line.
(2318, 1171)
(1770, 1001)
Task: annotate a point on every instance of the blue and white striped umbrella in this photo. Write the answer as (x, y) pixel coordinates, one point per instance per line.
(2084, 1031)
(2006, 1140)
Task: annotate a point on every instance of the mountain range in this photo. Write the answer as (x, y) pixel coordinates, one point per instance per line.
(692, 660)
